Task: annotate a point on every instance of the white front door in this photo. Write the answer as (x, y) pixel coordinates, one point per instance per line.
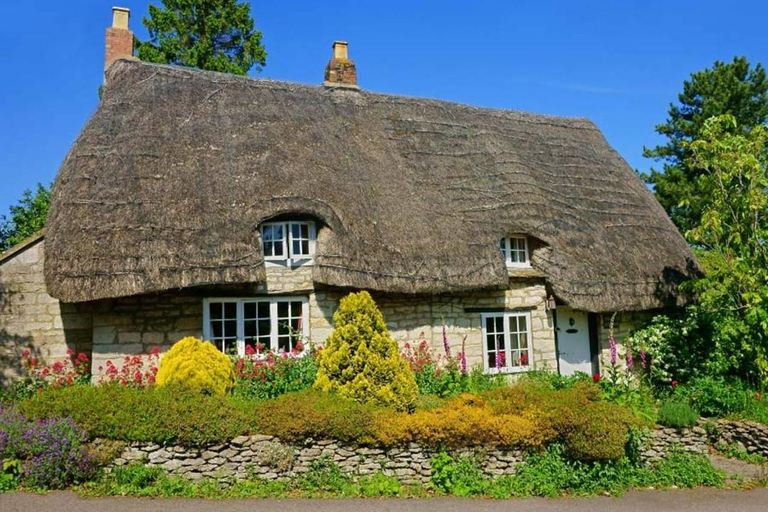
(573, 341)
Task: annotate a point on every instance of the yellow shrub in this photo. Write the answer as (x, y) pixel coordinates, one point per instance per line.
(464, 421)
(198, 365)
(361, 361)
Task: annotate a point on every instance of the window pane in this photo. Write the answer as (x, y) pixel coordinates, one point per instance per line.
(269, 249)
(266, 233)
(499, 321)
(296, 248)
(489, 324)
(284, 344)
(305, 231)
(250, 328)
(524, 341)
(215, 309)
(249, 310)
(263, 309)
(230, 328)
(296, 230)
(230, 346)
(278, 249)
(282, 310)
(216, 329)
(521, 323)
(305, 247)
(264, 327)
(295, 309)
(283, 327)
(513, 341)
(230, 310)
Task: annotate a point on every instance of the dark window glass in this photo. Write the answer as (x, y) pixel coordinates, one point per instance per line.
(282, 310)
(215, 309)
(249, 310)
(230, 310)
(263, 309)
(216, 328)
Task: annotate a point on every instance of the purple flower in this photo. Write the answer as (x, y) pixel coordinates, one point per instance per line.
(446, 347)
(463, 360)
(629, 359)
(614, 352)
(643, 356)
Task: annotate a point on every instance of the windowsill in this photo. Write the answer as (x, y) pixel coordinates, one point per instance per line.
(504, 371)
(289, 263)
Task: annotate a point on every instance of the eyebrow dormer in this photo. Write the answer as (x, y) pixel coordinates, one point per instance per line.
(514, 249)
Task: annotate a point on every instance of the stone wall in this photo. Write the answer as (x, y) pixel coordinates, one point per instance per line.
(268, 458)
(411, 317)
(32, 319)
(745, 435)
(665, 439)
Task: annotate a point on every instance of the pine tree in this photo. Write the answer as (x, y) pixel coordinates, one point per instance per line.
(727, 88)
(217, 35)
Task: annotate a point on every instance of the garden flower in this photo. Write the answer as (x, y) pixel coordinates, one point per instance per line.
(629, 359)
(596, 378)
(463, 359)
(674, 383)
(643, 356)
(155, 351)
(614, 352)
(249, 350)
(446, 347)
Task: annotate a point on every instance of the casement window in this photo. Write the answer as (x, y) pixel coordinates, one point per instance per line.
(515, 251)
(289, 241)
(274, 323)
(507, 342)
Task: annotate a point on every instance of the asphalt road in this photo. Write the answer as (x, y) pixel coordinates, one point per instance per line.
(698, 500)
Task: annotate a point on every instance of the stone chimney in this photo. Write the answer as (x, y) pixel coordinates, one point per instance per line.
(340, 71)
(119, 37)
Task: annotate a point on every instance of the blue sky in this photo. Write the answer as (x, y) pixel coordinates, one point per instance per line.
(619, 63)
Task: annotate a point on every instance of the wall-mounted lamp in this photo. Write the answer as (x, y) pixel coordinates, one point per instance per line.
(551, 306)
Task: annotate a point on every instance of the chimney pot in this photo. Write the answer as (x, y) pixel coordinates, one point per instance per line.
(341, 71)
(120, 17)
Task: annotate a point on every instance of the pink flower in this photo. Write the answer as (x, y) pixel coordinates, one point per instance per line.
(674, 383)
(70, 352)
(249, 350)
(614, 352)
(463, 358)
(155, 351)
(446, 347)
(643, 357)
(58, 366)
(25, 353)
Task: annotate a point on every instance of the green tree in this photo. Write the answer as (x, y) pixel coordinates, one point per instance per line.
(733, 88)
(217, 35)
(361, 361)
(733, 235)
(27, 217)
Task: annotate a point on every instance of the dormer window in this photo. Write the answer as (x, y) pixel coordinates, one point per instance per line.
(288, 242)
(515, 251)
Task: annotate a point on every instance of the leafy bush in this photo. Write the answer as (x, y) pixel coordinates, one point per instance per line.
(459, 476)
(294, 417)
(685, 469)
(464, 421)
(168, 415)
(678, 348)
(198, 365)
(677, 413)
(715, 396)
(273, 376)
(575, 417)
(361, 361)
(324, 474)
(47, 454)
(553, 381)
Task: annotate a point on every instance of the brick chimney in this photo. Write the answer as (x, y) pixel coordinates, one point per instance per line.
(119, 37)
(340, 71)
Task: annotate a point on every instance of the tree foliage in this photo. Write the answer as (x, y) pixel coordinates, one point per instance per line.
(733, 88)
(361, 361)
(217, 35)
(26, 218)
(733, 235)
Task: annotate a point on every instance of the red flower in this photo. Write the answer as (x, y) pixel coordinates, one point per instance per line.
(674, 383)
(596, 378)
(155, 351)
(70, 352)
(249, 350)
(25, 353)
(58, 366)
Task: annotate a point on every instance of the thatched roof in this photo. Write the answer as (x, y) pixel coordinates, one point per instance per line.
(167, 183)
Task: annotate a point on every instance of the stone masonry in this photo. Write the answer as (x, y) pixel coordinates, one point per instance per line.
(32, 319)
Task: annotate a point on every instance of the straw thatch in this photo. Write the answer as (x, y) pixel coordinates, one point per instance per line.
(168, 182)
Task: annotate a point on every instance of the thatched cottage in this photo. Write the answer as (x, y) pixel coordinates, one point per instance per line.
(241, 210)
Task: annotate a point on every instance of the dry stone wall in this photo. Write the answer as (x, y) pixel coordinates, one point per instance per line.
(266, 457)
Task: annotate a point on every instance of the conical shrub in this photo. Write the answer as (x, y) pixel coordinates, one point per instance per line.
(361, 361)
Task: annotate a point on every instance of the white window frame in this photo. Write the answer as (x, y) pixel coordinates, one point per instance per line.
(288, 257)
(507, 251)
(273, 331)
(507, 345)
